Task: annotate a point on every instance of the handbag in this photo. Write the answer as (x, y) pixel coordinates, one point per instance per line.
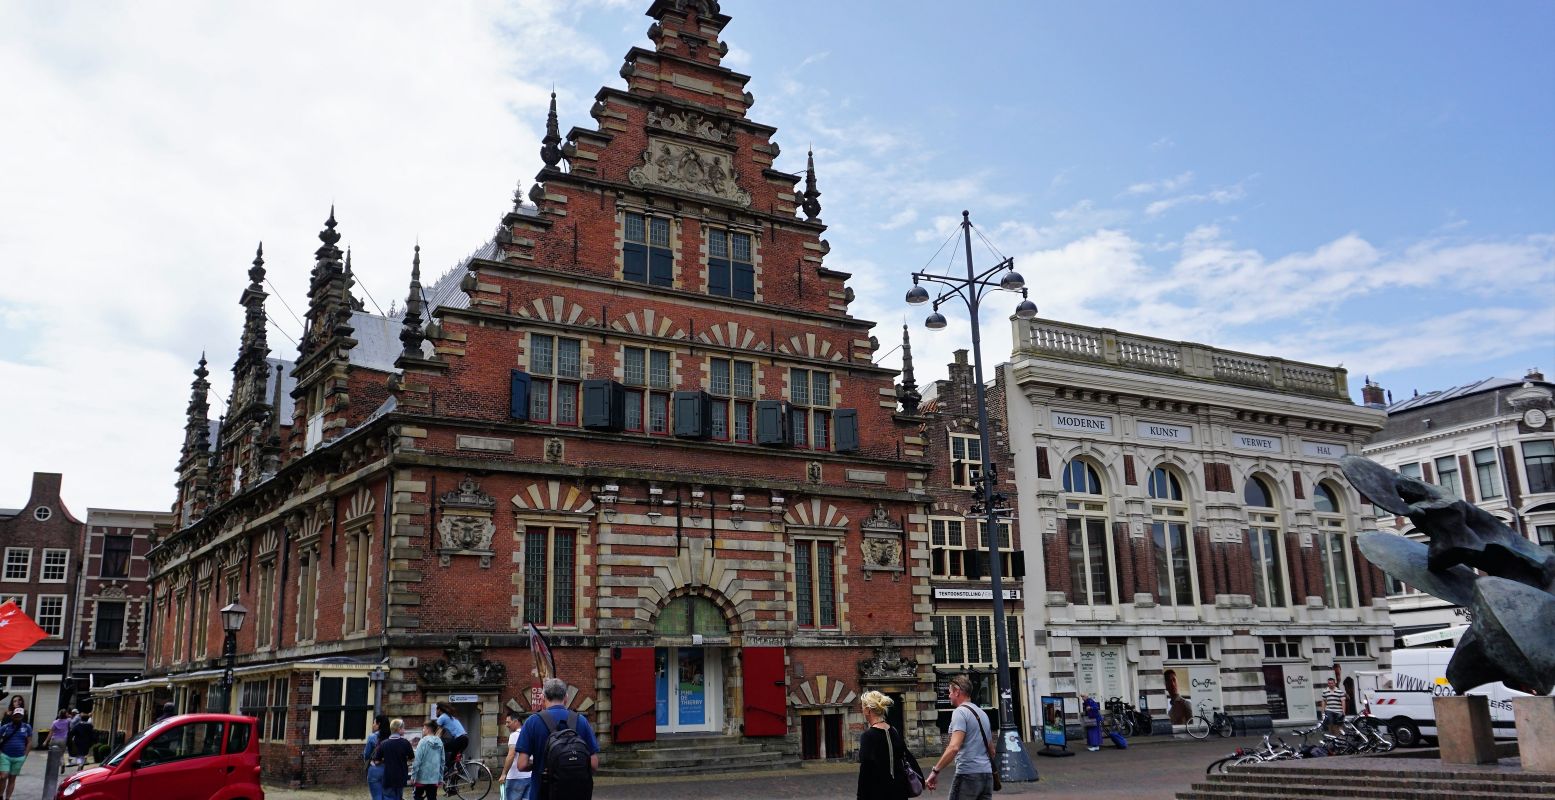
(992, 758)
(914, 777)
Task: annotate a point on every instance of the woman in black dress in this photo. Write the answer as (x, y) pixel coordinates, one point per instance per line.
(882, 750)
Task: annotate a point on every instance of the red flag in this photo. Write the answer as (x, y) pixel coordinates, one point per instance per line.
(17, 631)
(545, 666)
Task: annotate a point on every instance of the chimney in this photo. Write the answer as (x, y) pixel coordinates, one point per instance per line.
(1372, 395)
(1533, 374)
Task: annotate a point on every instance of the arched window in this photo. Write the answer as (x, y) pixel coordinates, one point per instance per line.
(1090, 536)
(1335, 545)
(1266, 541)
(1169, 539)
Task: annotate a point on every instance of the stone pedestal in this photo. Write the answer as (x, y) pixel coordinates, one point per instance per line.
(1535, 717)
(1463, 729)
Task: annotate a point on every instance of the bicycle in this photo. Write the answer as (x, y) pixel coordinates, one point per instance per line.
(1201, 726)
(467, 780)
(1117, 719)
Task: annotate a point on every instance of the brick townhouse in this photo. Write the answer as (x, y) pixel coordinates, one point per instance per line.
(641, 418)
(42, 546)
(111, 599)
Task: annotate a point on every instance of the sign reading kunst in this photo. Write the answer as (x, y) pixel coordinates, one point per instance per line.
(1164, 432)
(1070, 421)
(1248, 441)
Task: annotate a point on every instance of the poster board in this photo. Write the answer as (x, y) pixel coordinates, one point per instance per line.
(1055, 739)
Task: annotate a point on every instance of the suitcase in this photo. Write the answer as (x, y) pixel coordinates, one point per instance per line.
(1117, 739)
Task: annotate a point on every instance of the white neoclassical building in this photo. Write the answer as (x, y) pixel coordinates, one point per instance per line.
(1491, 443)
(1189, 535)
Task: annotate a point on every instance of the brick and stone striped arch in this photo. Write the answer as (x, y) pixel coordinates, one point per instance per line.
(556, 309)
(815, 514)
(648, 322)
(808, 344)
(732, 334)
(207, 568)
(821, 691)
(553, 496)
(268, 542)
(361, 505)
(726, 607)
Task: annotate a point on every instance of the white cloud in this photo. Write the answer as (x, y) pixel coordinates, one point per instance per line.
(1219, 195)
(1164, 185)
(1163, 143)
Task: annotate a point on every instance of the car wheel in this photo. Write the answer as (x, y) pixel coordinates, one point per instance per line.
(1405, 732)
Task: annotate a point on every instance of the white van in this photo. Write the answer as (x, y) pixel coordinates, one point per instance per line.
(1400, 699)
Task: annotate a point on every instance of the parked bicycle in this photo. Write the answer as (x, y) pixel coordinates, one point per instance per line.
(467, 780)
(1118, 719)
(1203, 723)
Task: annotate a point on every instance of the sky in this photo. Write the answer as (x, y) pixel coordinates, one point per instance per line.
(1361, 184)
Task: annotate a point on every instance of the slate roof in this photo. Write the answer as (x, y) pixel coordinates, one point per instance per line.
(1453, 393)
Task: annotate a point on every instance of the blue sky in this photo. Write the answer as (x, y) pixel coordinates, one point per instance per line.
(1370, 184)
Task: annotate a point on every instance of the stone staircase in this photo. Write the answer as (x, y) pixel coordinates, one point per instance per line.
(692, 754)
(1372, 779)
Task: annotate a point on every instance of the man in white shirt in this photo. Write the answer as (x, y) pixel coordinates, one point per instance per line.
(515, 784)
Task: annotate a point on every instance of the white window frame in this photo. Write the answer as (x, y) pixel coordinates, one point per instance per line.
(307, 594)
(1334, 540)
(1352, 648)
(1455, 486)
(25, 564)
(1166, 512)
(951, 539)
(1282, 648)
(968, 629)
(42, 619)
(1187, 649)
(964, 469)
(19, 599)
(64, 566)
(1487, 475)
(313, 704)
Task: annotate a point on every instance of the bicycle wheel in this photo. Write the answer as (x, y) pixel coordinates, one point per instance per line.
(473, 782)
(1218, 766)
(1198, 727)
(1223, 727)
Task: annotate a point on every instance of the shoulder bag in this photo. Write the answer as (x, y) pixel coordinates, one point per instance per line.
(993, 760)
(914, 777)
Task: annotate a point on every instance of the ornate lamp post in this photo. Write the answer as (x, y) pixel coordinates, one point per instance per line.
(231, 621)
(1014, 761)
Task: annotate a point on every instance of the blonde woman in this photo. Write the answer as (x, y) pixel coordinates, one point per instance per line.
(882, 751)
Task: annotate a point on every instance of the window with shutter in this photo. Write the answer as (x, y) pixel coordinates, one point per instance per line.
(810, 394)
(732, 385)
(603, 405)
(518, 396)
(692, 420)
(772, 422)
(646, 373)
(846, 422)
(555, 365)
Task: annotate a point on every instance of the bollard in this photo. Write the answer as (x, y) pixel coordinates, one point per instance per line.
(51, 771)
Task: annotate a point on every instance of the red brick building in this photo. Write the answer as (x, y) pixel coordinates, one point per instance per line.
(42, 552)
(111, 592)
(641, 418)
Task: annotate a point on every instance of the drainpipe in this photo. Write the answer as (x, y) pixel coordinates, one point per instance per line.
(383, 638)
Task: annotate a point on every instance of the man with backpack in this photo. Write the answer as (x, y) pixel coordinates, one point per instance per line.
(559, 746)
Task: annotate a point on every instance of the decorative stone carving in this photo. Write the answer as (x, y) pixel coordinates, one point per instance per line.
(813, 471)
(689, 169)
(463, 667)
(553, 450)
(881, 552)
(691, 123)
(888, 664)
(879, 520)
(467, 528)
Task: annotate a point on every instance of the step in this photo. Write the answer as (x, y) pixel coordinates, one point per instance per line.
(1411, 784)
(705, 768)
(676, 762)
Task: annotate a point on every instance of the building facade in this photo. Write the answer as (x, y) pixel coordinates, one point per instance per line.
(111, 598)
(642, 419)
(1197, 536)
(42, 546)
(1491, 443)
(960, 546)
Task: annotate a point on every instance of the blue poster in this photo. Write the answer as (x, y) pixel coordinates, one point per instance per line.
(1053, 721)
(692, 692)
(661, 686)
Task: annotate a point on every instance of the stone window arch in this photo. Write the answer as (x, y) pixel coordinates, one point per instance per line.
(1091, 568)
(1334, 546)
(1266, 543)
(1170, 540)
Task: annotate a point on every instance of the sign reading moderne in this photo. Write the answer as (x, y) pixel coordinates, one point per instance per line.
(1086, 423)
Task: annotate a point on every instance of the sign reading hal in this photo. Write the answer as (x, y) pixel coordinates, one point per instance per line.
(1164, 432)
(1070, 421)
(1323, 449)
(1248, 441)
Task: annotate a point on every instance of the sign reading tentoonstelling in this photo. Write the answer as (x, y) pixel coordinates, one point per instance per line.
(1085, 423)
(1166, 433)
(1251, 441)
(1323, 449)
(941, 593)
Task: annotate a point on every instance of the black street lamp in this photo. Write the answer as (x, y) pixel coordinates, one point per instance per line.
(1014, 761)
(231, 621)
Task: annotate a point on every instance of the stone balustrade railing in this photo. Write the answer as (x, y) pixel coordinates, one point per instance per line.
(1107, 346)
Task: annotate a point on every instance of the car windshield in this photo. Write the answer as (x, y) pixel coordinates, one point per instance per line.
(118, 755)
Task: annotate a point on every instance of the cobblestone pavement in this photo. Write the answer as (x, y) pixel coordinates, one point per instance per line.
(1154, 769)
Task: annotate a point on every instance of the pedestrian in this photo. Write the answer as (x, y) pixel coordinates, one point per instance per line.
(515, 784)
(427, 771)
(79, 742)
(458, 740)
(1332, 706)
(168, 712)
(18, 703)
(375, 771)
(882, 753)
(559, 747)
(974, 761)
(58, 731)
(15, 737)
(394, 755)
(1090, 715)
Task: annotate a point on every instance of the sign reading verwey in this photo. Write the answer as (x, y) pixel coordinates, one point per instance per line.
(1087, 423)
(1165, 432)
(1251, 441)
(1323, 449)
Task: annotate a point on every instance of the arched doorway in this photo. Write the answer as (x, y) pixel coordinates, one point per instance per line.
(692, 638)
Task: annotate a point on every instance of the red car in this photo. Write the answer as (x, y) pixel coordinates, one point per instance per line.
(189, 757)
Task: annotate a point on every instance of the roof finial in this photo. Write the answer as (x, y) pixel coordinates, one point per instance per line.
(411, 335)
(550, 146)
(256, 275)
(518, 195)
(812, 196)
(201, 372)
(907, 394)
(329, 235)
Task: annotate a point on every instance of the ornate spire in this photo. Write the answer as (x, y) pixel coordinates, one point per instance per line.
(256, 273)
(812, 196)
(518, 196)
(197, 426)
(550, 146)
(411, 335)
(908, 393)
(270, 451)
(250, 372)
(329, 295)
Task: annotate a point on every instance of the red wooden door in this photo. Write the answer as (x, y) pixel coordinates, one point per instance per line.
(766, 692)
(631, 695)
